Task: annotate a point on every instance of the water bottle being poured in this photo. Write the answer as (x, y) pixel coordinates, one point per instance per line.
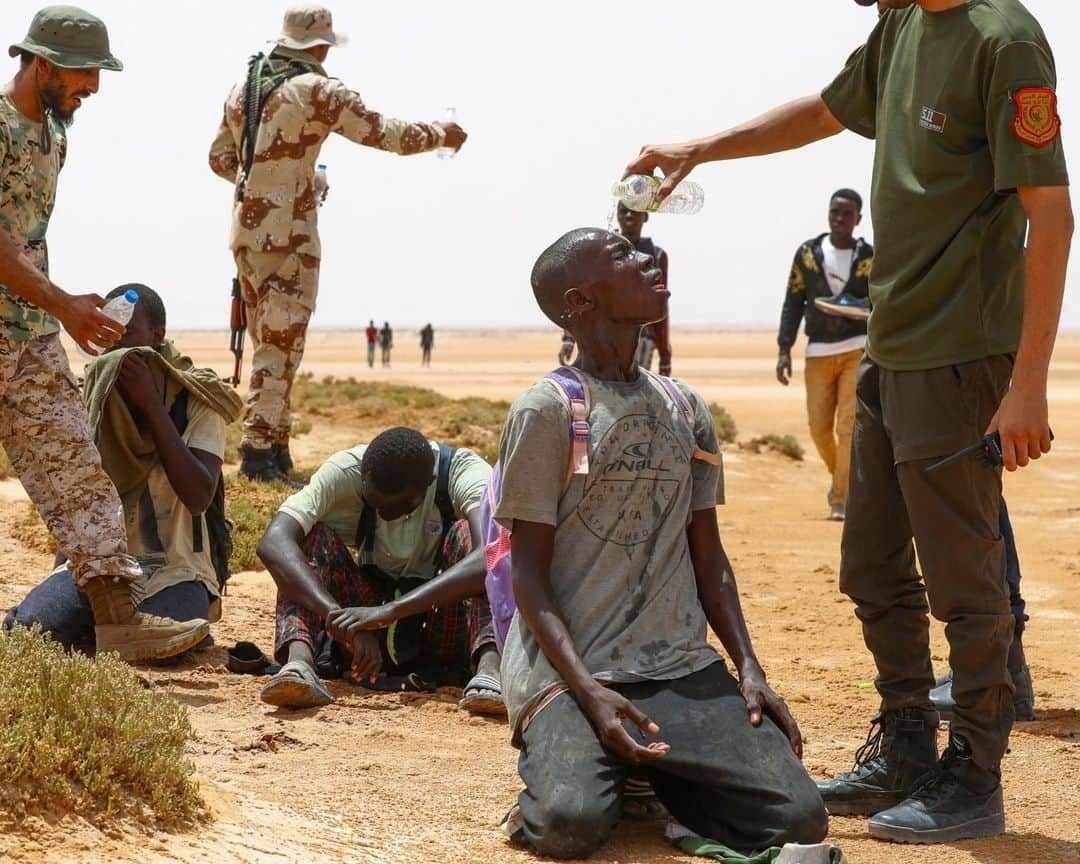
(120, 309)
(638, 192)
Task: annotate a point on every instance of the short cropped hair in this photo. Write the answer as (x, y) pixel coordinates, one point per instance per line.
(148, 297)
(849, 195)
(398, 460)
(560, 267)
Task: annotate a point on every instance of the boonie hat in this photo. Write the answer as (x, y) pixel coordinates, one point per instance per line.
(866, 2)
(307, 25)
(70, 37)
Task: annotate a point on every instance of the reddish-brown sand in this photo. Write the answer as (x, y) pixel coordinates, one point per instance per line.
(375, 778)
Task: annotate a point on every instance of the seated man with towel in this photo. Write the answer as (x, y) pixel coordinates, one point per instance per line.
(160, 426)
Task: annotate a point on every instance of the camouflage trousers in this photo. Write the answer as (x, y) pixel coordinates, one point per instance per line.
(45, 431)
(279, 295)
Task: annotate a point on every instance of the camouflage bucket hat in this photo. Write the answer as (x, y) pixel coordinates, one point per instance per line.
(307, 25)
(70, 37)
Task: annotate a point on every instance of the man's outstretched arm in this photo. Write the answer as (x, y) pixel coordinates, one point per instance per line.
(531, 548)
(720, 598)
(1022, 420)
(788, 127)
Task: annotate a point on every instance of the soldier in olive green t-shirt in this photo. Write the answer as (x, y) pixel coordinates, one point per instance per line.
(959, 97)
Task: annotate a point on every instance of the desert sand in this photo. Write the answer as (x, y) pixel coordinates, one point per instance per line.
(410, 778)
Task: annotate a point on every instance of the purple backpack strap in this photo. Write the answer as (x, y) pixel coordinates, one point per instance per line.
(680, 400)
(568, 381)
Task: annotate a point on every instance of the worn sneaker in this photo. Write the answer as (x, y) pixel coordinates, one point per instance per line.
(837, 512)
(900, 748)
(959, 799)
(512, 825)
(845, 306)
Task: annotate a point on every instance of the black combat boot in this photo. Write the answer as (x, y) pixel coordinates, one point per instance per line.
(901, 750)
(260, 465)
(1023, 691)
(959, 799)
(282, 457)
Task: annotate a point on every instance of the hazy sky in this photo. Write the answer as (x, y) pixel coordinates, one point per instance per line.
(556, 96)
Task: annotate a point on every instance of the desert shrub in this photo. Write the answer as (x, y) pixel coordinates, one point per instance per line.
(5, 466)
(250, 506)
(83, 735)
(725, 423)
(472, 422)
(785, 445)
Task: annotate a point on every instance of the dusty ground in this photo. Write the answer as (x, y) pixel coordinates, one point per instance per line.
(395, 779)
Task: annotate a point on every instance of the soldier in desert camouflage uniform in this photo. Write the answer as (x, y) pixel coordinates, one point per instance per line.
(43, 423)
(274, 234)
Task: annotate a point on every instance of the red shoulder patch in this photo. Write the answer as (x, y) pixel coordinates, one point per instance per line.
(1037, 122)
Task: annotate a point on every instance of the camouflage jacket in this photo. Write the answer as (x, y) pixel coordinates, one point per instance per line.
(27, 193)
(278, 212)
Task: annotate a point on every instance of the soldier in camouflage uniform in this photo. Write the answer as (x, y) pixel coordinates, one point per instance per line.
(274, 234)
(43, 423)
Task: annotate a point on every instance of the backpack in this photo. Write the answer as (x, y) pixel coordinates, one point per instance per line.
(218, 525)
(575, 392)
(365, 528)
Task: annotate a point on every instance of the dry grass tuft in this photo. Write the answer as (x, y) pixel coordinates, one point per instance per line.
(5, 466)
(725, 423)
(472, 422)
(250, 506)
(82, 735)
(785, 445)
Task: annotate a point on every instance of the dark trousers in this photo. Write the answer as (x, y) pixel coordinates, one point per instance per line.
(64, 612)
(904, 422)
(453, 637)
(723, 778)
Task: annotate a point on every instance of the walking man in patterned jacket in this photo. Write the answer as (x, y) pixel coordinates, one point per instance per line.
(274, 234)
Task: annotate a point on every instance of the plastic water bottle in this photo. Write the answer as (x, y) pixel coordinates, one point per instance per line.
(321, 184)
(638, 192)
(449, 116)
(120, 309)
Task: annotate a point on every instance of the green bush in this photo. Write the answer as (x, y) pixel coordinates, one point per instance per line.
(725, 423)
(785, 445)
(83, 735)
(250, 506)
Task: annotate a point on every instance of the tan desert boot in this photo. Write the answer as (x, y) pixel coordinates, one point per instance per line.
(132, 634)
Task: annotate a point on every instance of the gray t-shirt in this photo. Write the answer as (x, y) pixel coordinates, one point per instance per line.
(621, 568)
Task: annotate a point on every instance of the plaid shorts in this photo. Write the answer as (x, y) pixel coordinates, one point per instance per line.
(453, 636)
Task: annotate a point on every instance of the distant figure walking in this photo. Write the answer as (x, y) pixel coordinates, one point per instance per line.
(372, 334)
(427, 341)
(386, 342)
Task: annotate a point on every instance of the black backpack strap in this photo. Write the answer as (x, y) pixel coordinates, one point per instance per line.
(443, 501)
(365, 533)
(265, 75)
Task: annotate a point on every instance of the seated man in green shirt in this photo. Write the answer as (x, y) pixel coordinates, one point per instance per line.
(412, 598)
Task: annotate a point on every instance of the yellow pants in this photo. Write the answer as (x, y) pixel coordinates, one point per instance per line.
(830, 409)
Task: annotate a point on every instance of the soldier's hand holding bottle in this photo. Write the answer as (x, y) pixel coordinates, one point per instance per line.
(92, 329)
(455, 135)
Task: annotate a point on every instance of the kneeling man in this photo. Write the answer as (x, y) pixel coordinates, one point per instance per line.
(607, 668)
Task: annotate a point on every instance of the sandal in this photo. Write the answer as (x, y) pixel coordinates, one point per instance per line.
(295, 686)
(483, 695)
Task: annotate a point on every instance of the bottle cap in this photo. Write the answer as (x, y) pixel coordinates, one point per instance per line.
(321, 166)
(132, 296)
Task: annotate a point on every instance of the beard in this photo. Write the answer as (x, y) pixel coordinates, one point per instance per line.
(54, 94)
